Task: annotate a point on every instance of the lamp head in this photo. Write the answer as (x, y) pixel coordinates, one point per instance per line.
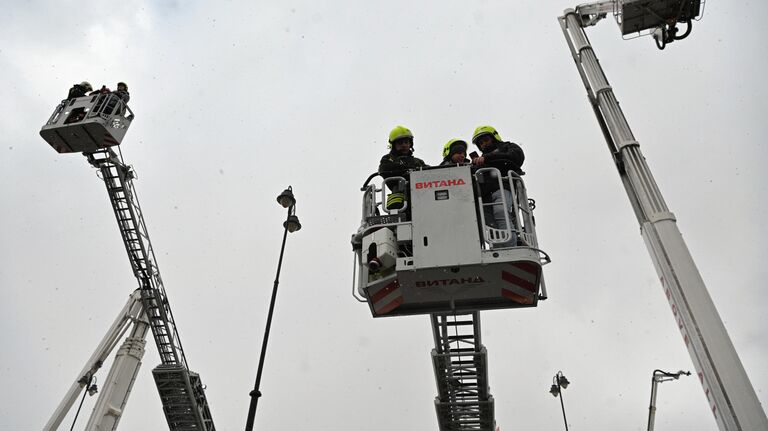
(554, 390)
(286, 198)
(563, 381)
(292, 223)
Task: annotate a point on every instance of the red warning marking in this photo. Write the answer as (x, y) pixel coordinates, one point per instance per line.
(528, 267)
(391, 306)
(517, 281)
(515, 297)
(384, 291)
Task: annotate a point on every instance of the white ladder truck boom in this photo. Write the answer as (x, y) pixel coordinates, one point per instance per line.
(91, 125)
(730, 395)
(115, 391)
(437, 255)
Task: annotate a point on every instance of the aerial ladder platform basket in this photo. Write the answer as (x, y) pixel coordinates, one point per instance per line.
(87, 124)
(437, 255)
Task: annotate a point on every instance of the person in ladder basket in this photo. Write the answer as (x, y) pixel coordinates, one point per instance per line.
(504, 156)
(397, 163)
(454, 153)
(122, 93)
(79, 90)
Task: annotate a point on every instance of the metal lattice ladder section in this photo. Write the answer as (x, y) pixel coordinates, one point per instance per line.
(460, 362)
(181, 391)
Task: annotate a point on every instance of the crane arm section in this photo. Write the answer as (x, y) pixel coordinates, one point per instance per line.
(730, 394)
(130, 313)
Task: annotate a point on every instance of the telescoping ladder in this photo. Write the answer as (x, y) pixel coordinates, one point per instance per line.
(460, 361)
(181, 390)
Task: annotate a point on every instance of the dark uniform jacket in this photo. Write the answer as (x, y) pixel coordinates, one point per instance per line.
(76, 91)
(504, 156)
(123, 94)
(394, 165)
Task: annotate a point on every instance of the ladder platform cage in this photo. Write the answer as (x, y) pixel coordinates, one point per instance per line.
(635, 16)
(438, 253)
(87, 124)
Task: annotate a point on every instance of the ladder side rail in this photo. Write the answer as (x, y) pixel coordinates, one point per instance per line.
(118, 180)
(133, 230)
(460, 365)
(129, 313)
(126, 219)
(156, 278)
(730, 394)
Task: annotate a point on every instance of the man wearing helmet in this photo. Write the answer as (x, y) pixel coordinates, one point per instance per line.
(504, 156)
(454, 153)
(122, 92)
(79, 90)
(398, 162)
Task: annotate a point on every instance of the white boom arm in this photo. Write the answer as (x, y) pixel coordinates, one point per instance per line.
(119, 382)
(729, 392)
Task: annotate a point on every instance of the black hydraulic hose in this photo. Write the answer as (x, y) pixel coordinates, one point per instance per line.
(687, 31)
(368, 180)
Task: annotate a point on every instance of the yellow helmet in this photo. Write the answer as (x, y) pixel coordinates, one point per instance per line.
(451, 144)
(399, 132)
(485, 130)
(86, 85)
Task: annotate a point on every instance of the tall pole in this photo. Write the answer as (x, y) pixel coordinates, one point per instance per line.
(652, 406)
(559, 382)
(256, 393)
(562, 406)
(658, 377)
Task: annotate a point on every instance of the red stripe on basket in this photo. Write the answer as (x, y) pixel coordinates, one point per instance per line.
(391, 306)
(384, 291)
(527, 267)
(515, 297)
(517, 281)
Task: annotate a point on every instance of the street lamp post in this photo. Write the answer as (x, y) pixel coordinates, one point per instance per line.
(559, 382)
(658, 377)
(291, 224)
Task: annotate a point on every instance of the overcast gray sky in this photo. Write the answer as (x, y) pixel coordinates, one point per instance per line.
(236, 100)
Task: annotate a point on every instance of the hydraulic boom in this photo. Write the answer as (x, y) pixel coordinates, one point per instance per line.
(730, 395)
